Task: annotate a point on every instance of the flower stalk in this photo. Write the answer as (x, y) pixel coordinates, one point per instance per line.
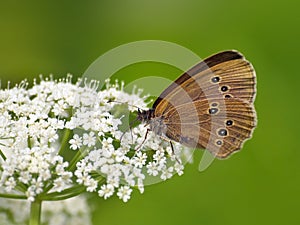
(65, 194)
(35, 212)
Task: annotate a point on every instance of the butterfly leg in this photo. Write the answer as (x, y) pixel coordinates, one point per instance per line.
(172, 147)
(122, 136)
(130, 129)
(125, 133)
(138, 148)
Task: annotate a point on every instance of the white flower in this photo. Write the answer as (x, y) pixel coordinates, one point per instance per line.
(179, 168)
(119, 155)
(25, 177)
(89, 139)
(159, 156)
(107, 143)
(59, 184)
(107, 148)
(141, 186)
(139, 160)
(59, 108)
(106, 191)
(10, 184)
(91, 185)
(37, 185)
(124, 193)
(153, 168)
(113, 180)
(167, 173)
(76, 142)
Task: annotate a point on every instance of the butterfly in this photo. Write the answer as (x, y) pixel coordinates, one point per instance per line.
(209, 107)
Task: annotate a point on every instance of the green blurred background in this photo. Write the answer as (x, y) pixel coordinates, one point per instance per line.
(259, 185)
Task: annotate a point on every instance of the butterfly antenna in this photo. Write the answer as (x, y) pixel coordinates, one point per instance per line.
(109, 101)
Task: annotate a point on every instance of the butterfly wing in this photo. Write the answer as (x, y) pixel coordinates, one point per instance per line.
(221, 133)
(198, 104)
(231, 66)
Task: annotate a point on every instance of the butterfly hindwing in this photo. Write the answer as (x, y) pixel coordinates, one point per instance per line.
(221, 133)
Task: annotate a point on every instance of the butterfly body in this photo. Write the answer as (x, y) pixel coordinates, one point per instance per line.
(156, 123)
(210, 106)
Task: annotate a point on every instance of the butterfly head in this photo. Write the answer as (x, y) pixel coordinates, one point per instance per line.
(145, 115)
(156, 123)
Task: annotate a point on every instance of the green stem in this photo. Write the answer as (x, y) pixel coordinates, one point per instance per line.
(64, 141)
(29, 142)
(21, 187)
(68, 193)
(63, 148)
(35, 212)
(2, 195)
(2, 155)
(81, 153)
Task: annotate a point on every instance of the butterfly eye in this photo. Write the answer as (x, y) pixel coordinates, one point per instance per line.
(214, 104)
(222, 132)
(228, 96)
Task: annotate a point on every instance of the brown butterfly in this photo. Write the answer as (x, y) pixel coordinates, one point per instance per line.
(210, 106)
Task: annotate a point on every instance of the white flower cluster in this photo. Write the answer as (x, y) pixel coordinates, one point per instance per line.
(40, 126)
(28, 138)
(123, 170)
(73, 211)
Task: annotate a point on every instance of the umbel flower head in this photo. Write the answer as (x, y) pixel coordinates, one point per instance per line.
(59, 139)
